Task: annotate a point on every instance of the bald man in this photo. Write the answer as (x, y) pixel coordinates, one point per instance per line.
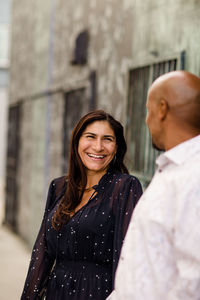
(160, 259)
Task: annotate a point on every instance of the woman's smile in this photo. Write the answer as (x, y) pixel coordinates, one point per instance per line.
(96, 156)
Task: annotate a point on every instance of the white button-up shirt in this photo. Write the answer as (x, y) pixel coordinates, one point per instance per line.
(160, 259)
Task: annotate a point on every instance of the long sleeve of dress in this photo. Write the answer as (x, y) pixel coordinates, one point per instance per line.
(40, 264)
(128, 194)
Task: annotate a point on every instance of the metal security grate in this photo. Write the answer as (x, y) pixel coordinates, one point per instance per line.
(141, 156)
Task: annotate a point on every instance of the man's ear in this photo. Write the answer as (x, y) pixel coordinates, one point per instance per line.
(163, 109)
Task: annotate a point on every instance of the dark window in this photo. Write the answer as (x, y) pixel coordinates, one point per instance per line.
(75, 106)
(141, 156)
(12, 166)
(81, 48)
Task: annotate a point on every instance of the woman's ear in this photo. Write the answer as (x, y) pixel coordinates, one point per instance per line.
(163, 109)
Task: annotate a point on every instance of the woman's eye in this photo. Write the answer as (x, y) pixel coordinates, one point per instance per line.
(90, 136)
(108, 139)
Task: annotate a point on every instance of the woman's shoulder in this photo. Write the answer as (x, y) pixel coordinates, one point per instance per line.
(59, 184)
(56, 190)
(126, 177)
(127, 190)
(59, 180)
(127, 181)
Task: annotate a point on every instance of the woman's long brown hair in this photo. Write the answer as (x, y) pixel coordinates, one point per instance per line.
(77, 177)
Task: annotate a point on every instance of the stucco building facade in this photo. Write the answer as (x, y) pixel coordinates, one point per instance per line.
(68, 57)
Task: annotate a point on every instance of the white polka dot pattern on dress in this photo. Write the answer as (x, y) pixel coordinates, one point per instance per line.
(85, 252)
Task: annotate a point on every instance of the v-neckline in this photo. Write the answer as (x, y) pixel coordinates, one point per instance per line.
(94, 194)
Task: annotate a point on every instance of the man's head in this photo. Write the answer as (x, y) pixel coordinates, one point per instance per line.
(173, 109)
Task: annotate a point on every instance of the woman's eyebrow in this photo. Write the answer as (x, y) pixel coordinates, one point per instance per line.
(109, 135)
(92, 133)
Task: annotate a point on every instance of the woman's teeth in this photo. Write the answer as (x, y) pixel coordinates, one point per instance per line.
(96, 156)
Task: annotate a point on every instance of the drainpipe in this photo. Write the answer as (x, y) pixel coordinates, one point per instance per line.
(49, 98)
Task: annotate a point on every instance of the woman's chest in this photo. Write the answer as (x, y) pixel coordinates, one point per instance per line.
(91, 227)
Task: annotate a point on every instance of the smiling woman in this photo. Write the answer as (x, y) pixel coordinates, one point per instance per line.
(87, 214)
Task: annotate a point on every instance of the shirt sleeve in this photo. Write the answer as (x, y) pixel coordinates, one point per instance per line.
(129, 192)
(41, 263)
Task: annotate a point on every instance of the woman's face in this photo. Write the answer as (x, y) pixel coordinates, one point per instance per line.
(97, 146)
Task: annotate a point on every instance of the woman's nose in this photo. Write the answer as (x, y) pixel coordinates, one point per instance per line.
(98, 145)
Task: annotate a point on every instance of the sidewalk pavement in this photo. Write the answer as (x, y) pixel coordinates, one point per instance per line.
(14, 261)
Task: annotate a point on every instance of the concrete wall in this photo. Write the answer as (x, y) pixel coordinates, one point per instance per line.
(50, 29)
(124, 34)
(30, 48)
(163, 29)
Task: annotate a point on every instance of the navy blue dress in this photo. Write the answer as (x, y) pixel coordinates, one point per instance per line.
(79, 261)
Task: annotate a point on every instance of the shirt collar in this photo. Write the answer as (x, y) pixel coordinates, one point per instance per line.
(180, 153)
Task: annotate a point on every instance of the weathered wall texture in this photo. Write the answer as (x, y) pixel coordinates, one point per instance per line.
(31, 166)
(123, 34)
(44, 35)
(163, 29)
(30, 46)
